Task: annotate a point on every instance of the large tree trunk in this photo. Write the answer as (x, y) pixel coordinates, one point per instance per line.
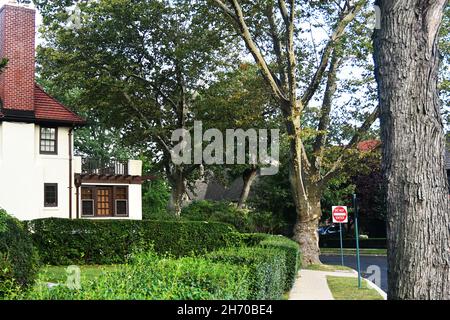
(248, 177)
(178, 192)
(407, 59)
(305, 230)
(306, 196)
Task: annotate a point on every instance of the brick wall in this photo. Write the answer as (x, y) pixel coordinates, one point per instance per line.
(17, 37)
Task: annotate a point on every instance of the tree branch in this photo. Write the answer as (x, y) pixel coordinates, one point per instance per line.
(337, 166)
(324, 121)
(277, 45)
(166, 97)
(251, 46)
(338, 32)
(145, 120)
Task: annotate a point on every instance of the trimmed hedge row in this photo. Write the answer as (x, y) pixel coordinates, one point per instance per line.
(291, 250)
(251, 273)
(149, 277)
(64, 241)
(267, 269)
(18, 258)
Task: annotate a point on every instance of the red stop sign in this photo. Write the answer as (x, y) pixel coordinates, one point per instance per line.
(340, 214)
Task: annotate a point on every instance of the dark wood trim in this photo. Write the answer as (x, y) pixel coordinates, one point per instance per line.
(112, 200)
(56, 141)
(99, 178)
(19, 114)
(77, 197)
(56, 195)
(26, 117)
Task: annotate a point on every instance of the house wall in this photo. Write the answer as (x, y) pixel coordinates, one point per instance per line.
(23, 172)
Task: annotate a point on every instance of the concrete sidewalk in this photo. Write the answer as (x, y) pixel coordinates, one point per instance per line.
(312, 285)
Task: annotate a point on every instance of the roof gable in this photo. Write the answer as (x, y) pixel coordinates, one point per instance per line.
(49, 109)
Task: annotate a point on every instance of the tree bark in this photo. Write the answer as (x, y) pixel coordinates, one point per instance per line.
(305, 229)
(306, 196)
(178, 192)
(407, 62)
(248, 177)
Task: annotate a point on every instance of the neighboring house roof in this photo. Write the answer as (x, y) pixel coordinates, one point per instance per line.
(368, 145)
(216, 191)
(48, 108)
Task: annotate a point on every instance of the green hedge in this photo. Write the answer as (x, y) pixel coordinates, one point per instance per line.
(267, 269)
(371, 243)
(64, 241)
(292, 252)
(253, 239)
(18, 257)
(148, 277)
(289, 247)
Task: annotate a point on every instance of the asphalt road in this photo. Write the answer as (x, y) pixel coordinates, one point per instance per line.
(366, 262)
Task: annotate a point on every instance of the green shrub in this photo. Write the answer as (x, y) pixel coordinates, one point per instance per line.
(219, 211)
(253, 239)
(155, 196)
(292, 252)
(148, 277)
(18, 258)
(64, 241)
(267, 269)
(267, 222)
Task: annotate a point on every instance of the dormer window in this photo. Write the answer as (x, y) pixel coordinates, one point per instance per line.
(49, 140)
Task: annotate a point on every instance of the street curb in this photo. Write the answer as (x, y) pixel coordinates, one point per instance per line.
(377, 288)
(373, 286)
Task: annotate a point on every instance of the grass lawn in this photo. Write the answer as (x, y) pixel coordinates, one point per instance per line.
(348, 251)
(58, 274)
(344, 288)
(327, 267)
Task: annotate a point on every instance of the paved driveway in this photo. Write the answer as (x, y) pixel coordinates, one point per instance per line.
(366, 261)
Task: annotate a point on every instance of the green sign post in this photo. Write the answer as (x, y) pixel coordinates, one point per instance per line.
(358, 265)
(342, 248)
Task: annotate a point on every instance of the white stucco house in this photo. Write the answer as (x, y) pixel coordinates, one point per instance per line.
(39, 175)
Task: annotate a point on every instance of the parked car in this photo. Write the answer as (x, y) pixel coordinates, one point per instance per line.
(331, 230)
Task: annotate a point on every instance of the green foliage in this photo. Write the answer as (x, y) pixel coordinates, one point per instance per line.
(18, 257)
(289, 247)
(267, 269)
(244, 220)
(292, 253)
(253, 239)
(64, 241)
(135, 66)
(3, 64)
(149, 277)
(155, 198)
(217, 211)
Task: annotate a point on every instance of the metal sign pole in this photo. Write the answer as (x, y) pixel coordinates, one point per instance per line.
(342, 250)
(355, 208)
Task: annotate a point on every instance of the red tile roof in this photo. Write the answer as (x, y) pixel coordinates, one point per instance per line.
(48, 108)
(368, 145)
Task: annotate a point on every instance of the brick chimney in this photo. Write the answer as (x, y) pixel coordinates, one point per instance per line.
(17, 38)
